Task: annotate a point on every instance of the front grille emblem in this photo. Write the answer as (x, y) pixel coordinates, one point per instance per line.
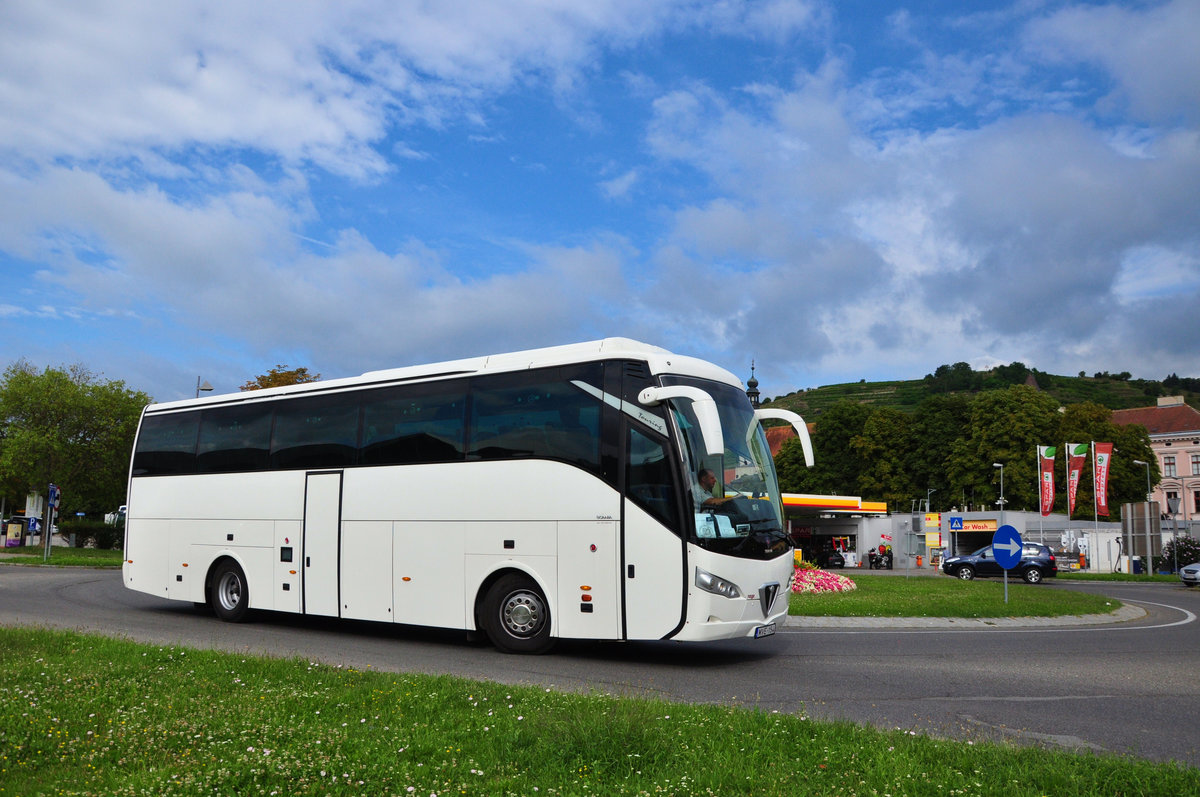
(766, 596)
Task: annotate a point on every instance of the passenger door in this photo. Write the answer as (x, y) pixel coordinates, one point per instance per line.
(322, 530)
(653, 554)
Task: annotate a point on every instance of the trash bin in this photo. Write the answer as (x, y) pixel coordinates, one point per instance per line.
(1137, 565)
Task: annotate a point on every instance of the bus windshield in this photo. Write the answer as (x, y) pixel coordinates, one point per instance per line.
(736, 501)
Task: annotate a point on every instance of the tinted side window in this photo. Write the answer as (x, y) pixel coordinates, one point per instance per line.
(166, 444)
(413, 424)
(316, 432)
(538, 414)
(234, 438)
(649, 479)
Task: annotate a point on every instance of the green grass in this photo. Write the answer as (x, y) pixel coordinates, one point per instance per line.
(932, 596)
(85, 715)
(1140, 579)
(62, 557)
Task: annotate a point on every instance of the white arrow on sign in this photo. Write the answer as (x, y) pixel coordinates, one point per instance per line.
(1012, 546)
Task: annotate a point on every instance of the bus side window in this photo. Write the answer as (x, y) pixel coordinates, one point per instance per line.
(317, 432)
(234, 439)
(649, 482)
(410, 425)
(538, 415)
(166, 444)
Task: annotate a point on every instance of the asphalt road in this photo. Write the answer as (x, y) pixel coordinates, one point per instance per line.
(1126, 687)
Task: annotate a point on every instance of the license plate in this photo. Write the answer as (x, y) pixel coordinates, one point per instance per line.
(764, 630)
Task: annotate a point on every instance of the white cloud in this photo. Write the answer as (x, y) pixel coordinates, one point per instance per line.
(1156, 273)
(1150, 53)
(245, 183)
(300, 82)
(619, 186)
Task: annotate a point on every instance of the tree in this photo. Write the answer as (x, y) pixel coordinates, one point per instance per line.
(883, 449)
(837, 465)
(279, 376)
(1005, 427)
(1012, 374)
(949, 445)
(948, 378)
(69, 428)
(1088, 422)
(794, 474)
(938, 422)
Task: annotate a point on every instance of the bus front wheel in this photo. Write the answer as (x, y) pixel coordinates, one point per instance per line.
(228, 593)
(516, 616)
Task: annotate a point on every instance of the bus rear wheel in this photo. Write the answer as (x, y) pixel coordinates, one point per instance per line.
(228, 593)
(516, 616)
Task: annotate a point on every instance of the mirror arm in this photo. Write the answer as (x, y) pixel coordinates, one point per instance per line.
(797, 423)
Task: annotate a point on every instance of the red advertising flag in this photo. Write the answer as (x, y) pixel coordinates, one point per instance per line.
(1046, 477)
(1103, 452)
(1076, 454)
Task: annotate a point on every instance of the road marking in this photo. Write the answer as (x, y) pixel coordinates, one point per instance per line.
(1188, 617)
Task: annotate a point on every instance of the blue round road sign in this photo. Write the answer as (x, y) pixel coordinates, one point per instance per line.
(1006, 547)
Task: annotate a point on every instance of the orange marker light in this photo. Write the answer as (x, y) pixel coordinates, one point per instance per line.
(585, 588)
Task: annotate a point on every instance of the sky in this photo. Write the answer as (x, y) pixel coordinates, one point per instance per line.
(833, 191)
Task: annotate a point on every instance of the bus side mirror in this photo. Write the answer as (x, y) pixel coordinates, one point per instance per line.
(702, 404)
(797, 422)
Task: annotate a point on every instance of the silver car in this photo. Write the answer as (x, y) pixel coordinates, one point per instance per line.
(1190, 575)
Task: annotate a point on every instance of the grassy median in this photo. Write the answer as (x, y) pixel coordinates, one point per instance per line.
(62, 556)
(934, 596)
(86, 715)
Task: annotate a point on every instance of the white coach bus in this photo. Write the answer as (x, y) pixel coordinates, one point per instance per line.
(545, 494)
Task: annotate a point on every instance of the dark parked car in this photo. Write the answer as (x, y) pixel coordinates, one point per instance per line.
(828, 560)
(1037, 562)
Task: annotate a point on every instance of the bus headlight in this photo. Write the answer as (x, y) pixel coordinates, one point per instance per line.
(716, 585)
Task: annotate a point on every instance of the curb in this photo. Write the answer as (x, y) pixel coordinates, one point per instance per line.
(1122, 615)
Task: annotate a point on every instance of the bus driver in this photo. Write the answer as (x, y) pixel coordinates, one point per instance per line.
(703, 486)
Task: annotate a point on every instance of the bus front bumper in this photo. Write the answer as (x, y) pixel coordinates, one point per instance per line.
(732, 619)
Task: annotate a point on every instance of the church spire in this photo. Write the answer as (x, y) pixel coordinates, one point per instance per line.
(752, 387)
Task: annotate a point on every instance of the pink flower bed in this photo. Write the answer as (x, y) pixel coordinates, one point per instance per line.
(814, 581)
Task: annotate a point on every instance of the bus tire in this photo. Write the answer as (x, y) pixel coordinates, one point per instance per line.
(228, 593)
(516, 616)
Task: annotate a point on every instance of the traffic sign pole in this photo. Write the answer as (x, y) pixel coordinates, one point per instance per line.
(1006, 549)
(55, 498)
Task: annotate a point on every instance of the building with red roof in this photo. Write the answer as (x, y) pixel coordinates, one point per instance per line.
(1174, 428)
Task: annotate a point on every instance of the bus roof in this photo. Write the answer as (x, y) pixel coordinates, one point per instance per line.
(659, 360)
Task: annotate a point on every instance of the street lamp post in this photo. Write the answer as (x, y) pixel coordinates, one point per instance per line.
(1148, 491)
(206, 387)
(1001, 502)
